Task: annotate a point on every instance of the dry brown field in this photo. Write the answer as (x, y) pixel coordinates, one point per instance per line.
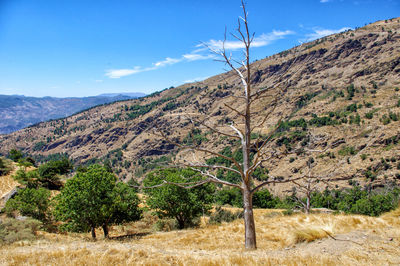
(299, 239)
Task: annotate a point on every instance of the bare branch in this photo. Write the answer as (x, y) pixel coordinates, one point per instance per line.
(233, 109)
(187, 185)
(273, 182)
(214, 179)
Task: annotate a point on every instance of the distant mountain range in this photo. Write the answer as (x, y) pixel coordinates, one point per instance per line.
(129, 94)
(19, 111)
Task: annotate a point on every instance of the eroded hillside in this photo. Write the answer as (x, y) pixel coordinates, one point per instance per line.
(342, 89)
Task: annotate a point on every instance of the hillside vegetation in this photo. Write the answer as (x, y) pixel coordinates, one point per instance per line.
(344, 88)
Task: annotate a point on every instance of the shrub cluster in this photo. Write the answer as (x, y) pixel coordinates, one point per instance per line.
(354, 200)
(222, 215)
(12, 230)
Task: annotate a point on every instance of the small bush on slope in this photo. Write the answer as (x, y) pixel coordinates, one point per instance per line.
(12, 230)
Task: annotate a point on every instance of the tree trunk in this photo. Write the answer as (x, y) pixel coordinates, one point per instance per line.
(181, 222)
(93, 231)
(249, 225)
(308, 206)
(105, 230)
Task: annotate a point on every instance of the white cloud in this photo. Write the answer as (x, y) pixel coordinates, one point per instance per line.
(195, 57)
(319, 33)
(324, 1)
(260, 41)
(117, 73)
(167, 61)
(198, 54)
(98, 80)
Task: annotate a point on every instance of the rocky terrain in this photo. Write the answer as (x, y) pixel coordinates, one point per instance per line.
(342, 89)
(18, 111)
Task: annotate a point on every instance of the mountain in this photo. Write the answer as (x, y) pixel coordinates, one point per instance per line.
(129, 94)
(344, 89)
(18, 111)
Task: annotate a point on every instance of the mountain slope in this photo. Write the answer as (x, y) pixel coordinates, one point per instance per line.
(19, 111)
(343, 86)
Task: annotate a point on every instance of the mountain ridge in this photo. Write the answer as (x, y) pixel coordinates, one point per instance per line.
(19, 111)
(343, 86)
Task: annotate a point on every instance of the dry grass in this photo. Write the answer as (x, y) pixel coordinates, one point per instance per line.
(359, 239)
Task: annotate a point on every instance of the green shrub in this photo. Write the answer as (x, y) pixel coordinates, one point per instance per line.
(374, 205)
(222, 215)
(50, 171)
(166, 225)
(347, 150)
(30, 202)
(350, 90)
(352, 107)
(15, 155)
(264, 199)
(369, 115)
(356, 200)
(172, 201)
(363, 156)
(12, 230)
(369, 175)
(385, 119)
(229, 196)
(39, 145)
(5, 167)
(368, 104)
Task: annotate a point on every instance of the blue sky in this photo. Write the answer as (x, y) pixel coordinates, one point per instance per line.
(79, 47)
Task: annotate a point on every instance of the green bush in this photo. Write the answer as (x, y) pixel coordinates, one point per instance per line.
(369, 115)
(374, 205)
(347, 150)
(29, 179)
(222, 215)
(356, 200)
(30, 202)
(5, 167)
(50, 171)
(264, 199)
(229, 196)
(172, 201)
(12, 230)
(368, 104)
(15, 155)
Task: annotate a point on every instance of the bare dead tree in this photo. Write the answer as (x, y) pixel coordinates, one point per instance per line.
(255, 152)
(311, 182)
